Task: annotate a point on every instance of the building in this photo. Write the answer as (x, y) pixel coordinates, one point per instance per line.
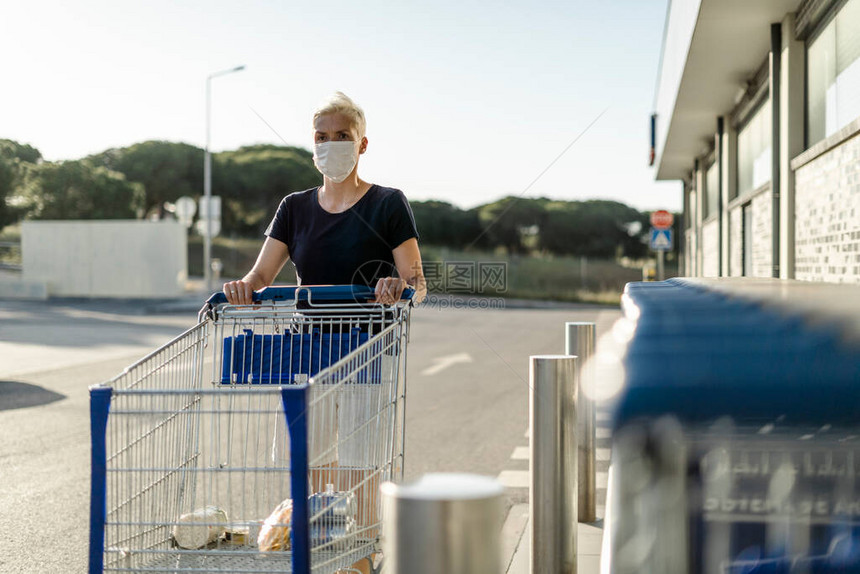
(757, 112)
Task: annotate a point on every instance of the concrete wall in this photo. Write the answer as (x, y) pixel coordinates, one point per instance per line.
(762, 242)
(736, 243)
(827, 211)
(711, 249)
(113, 258)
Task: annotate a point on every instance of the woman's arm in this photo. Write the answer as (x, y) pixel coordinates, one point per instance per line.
(273, 255)
(407, 259)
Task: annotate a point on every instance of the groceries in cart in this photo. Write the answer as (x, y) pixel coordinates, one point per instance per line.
(275, 533)
(335, 514)
(333, 521)
(199, 528)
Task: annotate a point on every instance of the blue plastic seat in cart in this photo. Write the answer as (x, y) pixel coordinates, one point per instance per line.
(736, 430)
(278, 359)
(263, 358)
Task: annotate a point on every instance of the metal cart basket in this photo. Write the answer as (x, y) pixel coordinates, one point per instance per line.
(254, 442)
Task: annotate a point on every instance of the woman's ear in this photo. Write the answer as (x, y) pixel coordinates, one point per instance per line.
(362, 146)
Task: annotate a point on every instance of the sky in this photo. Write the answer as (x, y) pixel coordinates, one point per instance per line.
(465, 101)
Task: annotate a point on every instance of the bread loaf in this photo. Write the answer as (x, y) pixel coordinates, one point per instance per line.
(275, 533)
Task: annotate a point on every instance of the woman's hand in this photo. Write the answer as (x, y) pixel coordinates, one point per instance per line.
(239, 292)
(389, 289)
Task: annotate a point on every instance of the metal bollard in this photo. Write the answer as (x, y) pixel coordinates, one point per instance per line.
(442, 524)
(552, 426)
(579, 341)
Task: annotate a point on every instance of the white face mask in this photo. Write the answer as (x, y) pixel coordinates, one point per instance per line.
(335, 160)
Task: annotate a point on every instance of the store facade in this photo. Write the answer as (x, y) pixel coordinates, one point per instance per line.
(757, 112)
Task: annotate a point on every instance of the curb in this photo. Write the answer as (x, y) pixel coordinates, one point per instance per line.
(513, 534)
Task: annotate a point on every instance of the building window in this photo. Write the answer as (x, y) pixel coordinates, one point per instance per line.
(833, 75)
(712, 190)
(754, 151)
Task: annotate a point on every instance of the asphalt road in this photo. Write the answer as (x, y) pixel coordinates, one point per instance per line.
(467, 402)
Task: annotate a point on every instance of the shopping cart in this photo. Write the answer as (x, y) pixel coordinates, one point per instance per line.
(736, 431)
(294, 403)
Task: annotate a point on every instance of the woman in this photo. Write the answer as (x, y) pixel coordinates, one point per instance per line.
(346, 231)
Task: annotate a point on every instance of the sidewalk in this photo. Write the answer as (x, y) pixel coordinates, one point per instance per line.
(516, 542)
(589, 540)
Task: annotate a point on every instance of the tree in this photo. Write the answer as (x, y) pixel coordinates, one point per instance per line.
(13, 150)
(560, 232)
(167, 170)
(595, 228)
(253, 179)
(14, 158)
(440, 223)
(507, 221)
(79, 190)
(9, 213)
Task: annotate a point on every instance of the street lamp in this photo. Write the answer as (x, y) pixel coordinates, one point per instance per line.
(207, 179)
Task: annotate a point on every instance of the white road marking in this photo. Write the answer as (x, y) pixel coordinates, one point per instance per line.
(442, 363)
(515, 478)
(521, 453)
(602, 432)
(603, 453)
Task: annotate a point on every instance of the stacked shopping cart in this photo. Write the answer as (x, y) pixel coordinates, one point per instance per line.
(254, 442)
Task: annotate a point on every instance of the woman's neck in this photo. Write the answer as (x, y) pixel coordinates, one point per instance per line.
(338, 197)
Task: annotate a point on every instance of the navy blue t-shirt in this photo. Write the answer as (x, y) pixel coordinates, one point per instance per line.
(349, 248)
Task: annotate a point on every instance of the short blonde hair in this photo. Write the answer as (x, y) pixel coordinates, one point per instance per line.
(341, 103)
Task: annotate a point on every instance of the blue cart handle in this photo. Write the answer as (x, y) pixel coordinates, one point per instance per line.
(317, 294)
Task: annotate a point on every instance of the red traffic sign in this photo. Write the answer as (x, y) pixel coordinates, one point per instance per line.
(661, 219)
